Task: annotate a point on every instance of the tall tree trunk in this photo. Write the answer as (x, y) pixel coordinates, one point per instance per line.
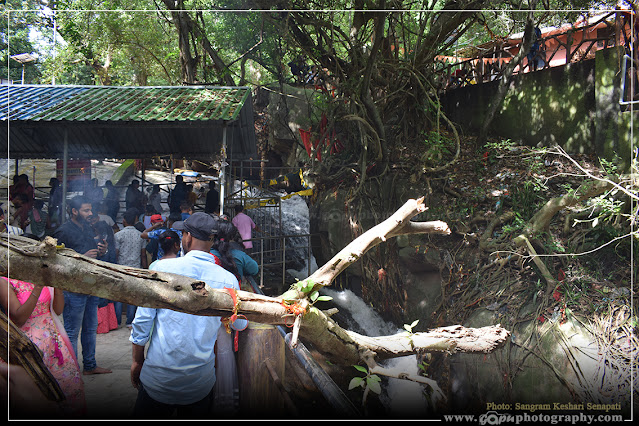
(187, 28)
(507, 77)
(182, 24)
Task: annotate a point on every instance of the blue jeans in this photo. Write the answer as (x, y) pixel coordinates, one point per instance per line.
(147, 407)
(130, 312)
(81, 314)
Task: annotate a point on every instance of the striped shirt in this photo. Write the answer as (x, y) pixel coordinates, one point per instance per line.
(13, 230)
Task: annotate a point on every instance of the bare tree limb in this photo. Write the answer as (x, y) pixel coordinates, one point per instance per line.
(64, 268)
(398, 224)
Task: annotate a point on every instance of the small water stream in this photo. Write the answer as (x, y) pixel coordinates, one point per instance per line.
(400, 397)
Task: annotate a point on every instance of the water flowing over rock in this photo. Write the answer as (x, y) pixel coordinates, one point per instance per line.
(400, 397)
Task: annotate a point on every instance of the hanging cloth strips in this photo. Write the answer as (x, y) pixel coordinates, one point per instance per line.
(227, 321)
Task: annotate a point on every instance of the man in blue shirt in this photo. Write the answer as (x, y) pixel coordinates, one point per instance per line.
(178, 373)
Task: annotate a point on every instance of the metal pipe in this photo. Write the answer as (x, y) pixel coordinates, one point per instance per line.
(143, 179)
(222, 174)
(171, 185)
(308, 254)
(65, 159)
(626, 58)
(261, 263)
(241, 182)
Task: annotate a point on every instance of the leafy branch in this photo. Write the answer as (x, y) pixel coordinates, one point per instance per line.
(370, 382)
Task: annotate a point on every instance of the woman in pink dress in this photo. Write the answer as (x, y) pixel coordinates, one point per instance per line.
(30, 307)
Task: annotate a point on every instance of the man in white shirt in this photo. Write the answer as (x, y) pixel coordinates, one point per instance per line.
(130, 251)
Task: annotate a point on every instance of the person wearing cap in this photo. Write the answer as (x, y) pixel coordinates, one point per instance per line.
(178, 373)
(156, 229)
(155, 218)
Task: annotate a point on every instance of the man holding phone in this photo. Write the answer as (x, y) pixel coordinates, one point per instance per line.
(81, 310)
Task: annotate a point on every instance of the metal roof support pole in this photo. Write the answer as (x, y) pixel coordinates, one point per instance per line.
(143, 180)
(242, 182)
(65, 159)
(222, 175)
(171, 182)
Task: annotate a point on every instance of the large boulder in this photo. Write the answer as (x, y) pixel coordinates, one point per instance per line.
(551, 366)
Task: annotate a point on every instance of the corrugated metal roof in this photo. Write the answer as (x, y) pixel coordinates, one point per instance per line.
(126, 122)
(107, 103)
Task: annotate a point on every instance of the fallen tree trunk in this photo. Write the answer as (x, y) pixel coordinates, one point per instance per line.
(59, 267)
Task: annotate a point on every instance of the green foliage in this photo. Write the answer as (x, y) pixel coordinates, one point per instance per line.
(438, 146)
(116, 46)
(527, 197)
(409, 328)
(423, 366)
(17, 20)
(307, 288)
(610, 167)
(371, 382)
(535, 162)
(515, 226)
(499, 145)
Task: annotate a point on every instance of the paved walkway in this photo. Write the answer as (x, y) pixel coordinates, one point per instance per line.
(111, 396)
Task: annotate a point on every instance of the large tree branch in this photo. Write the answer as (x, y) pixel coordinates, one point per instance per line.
(64, 268)
(398, 224)
(541, 220)
(187, 26)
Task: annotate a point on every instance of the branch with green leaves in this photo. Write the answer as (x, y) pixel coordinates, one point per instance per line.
(370, 382)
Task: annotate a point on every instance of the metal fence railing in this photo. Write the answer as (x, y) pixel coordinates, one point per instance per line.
(555, 49)
(271, 254)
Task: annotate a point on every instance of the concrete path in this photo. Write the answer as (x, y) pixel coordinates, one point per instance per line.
(111, 396)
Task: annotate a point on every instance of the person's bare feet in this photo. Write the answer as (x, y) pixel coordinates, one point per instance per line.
(96, 370)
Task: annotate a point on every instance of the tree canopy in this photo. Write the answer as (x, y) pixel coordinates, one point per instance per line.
(376, 58)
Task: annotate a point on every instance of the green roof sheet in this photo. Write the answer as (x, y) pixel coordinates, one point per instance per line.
(148, 104)
(126, 122)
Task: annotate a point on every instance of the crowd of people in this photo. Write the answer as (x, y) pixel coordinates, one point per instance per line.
(174, 354)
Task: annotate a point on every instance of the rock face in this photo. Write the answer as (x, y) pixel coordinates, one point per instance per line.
(420, 262)
(558, 366)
